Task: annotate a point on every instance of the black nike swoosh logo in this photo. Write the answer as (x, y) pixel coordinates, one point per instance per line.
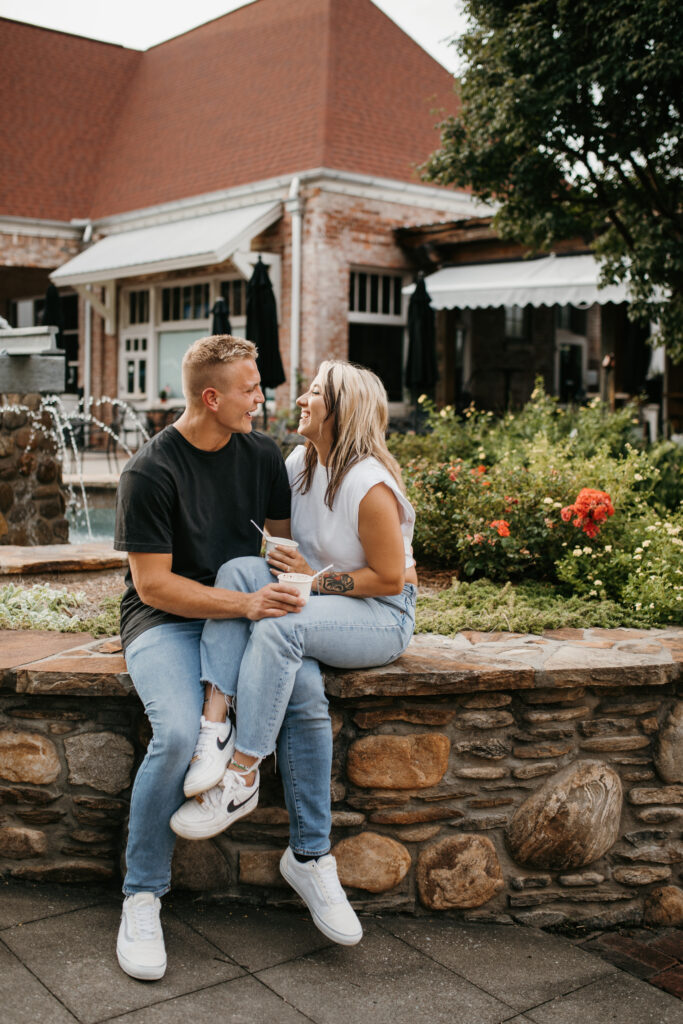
(223, 744)
(233, 806)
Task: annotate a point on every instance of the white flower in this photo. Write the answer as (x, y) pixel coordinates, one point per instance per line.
(638, 606)
(587, 550)
(646, 543)
(422, 399)
(592, 593)
(577, 552)
(636, 558)
(608, 548)
(598, 583)
(547, 501)
(638, 476)
(639, 551)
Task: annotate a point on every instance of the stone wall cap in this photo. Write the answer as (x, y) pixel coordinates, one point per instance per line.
(91, 555)
(76, 664)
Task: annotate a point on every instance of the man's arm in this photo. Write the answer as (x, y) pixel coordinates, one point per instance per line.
(161, 588)
(279, 527)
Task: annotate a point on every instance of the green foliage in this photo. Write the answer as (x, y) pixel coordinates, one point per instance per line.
(517, 608)
(489, 496)
(42, 606)
(570, 120)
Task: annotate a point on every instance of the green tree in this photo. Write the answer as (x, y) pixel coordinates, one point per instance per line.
(570, 122)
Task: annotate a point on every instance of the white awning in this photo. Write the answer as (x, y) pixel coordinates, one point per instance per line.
(552, 280)
(197, 242)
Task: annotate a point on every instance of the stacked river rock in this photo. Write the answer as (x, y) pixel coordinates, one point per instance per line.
(458, 786)
(32, 502)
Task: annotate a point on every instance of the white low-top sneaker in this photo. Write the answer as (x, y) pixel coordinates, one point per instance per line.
(140, 945)
(214, 811)
(215, 746)
(317, 882)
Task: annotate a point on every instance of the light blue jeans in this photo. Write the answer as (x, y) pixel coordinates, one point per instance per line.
(271, 667)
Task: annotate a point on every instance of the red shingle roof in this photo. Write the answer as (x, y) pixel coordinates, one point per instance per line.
(275, 87)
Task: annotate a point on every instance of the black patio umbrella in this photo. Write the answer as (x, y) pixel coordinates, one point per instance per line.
(421, 370)
(262, 329)
(220, 323)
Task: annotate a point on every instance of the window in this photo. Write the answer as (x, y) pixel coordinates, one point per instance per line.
(26, 312)
(135, 367)
(235, 294)
(377, 326)
(573, 319)
(185, 302)
(69, 342)
(138, 307)
(172, 347)
(375, 293)
(516, 323)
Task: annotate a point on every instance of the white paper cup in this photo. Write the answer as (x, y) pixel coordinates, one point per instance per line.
(300, 580)
(283, 542)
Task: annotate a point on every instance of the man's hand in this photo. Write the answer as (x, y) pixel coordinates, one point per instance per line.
(273, 601)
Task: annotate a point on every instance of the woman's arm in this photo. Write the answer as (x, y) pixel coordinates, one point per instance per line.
(380, 534)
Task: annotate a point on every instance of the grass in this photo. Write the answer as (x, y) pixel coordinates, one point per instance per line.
(529, 607)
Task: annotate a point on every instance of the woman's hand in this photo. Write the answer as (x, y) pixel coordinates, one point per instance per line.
(284, 559)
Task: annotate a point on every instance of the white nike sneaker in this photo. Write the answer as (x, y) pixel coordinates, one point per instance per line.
(140, 945)
(212, 812)
(317, 882)
(215, 746)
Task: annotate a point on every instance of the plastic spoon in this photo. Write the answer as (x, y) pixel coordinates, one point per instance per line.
(321, 571)
(264, 533)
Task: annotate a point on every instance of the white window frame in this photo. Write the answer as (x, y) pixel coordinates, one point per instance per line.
(156, 326)
(136, 356)
(392, 319)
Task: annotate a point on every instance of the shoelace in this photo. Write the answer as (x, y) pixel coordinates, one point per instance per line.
(330, 882)
(145, 920)
(207, 738)
(220, 795)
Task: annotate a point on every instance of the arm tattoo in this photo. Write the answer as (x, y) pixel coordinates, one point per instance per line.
(337, 583)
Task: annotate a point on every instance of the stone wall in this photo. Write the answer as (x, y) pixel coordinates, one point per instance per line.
(32, 501)
(553, 798)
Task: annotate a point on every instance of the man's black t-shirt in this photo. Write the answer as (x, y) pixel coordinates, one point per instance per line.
(176, 499)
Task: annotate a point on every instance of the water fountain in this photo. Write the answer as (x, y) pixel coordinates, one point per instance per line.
(40, 437)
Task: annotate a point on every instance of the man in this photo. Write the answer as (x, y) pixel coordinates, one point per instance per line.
(184, 506)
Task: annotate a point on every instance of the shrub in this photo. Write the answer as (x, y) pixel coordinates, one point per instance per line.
(490, 495)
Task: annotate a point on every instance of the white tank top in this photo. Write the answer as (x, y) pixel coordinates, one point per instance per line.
(331, 535)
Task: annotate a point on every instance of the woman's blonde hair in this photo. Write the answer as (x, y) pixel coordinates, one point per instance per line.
(356, 402)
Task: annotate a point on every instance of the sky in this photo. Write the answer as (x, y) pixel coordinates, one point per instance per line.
(143, 23)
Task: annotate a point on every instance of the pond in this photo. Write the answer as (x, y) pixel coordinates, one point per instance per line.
(102, 512)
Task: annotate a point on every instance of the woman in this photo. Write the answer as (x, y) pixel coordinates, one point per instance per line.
(348, 509)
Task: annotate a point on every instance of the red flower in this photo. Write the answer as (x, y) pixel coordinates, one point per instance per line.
(478, 471)
(501, 526)
(590, 508)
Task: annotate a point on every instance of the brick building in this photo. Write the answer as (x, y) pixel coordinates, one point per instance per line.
(146, 184)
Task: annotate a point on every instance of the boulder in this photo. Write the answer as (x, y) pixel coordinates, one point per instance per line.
(198, 866)
(668, 755)
(570, 821)
(417, 761)
(28, 757)
(18, 843)
(371, 861)
(664, 907)
(101, 760)
(462, 871)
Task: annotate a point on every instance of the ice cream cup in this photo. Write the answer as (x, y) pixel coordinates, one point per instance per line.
(283, 542)
(300, 580)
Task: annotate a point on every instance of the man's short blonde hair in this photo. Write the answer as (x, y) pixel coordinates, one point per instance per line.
(205, 355)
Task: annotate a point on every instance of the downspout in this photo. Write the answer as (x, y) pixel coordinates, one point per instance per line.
(295, 207)
(87, 368)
